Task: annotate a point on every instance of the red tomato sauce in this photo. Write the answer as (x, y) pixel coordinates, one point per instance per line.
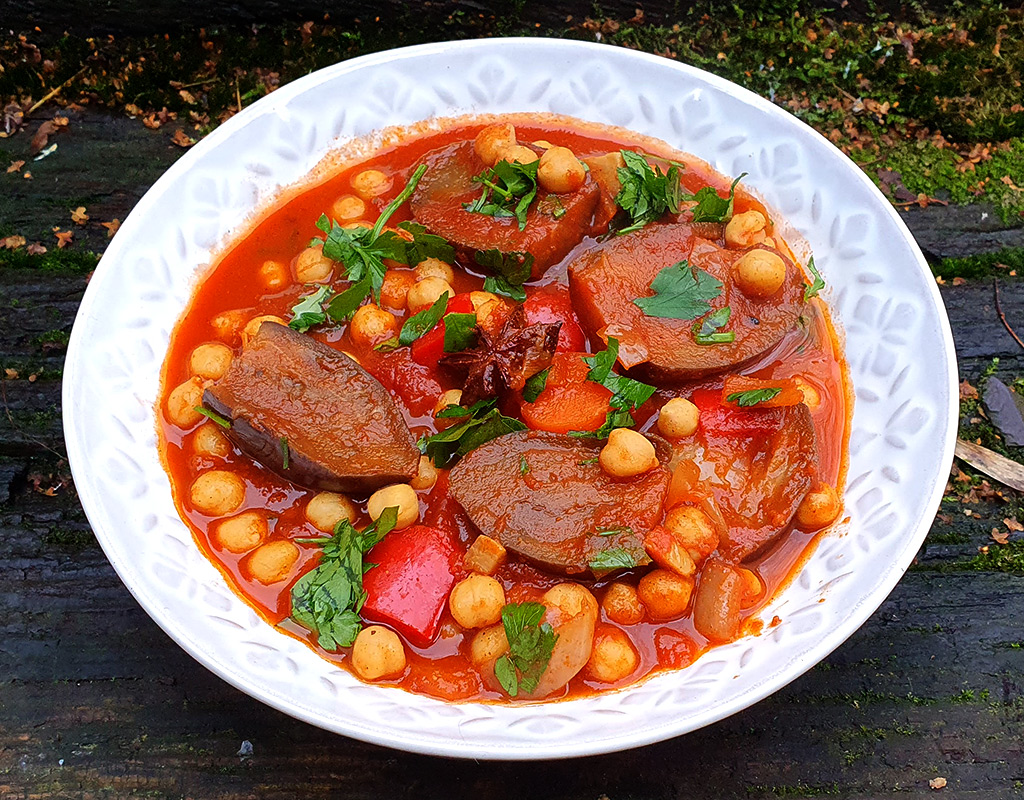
(233, 292)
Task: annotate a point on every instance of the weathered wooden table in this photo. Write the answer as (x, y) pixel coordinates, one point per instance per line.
(96, 701)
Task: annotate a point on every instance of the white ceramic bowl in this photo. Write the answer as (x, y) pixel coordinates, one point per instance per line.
(898, 345)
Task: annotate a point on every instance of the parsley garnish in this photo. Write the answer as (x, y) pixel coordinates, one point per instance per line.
(816, 285)
(753, 396)
(509, 189)
(613, 558)
(509, 272)
(422, 322)
(327, 599)
(284, 452)
(646, 191)
(530, 644)
(680, 292)
(627, 393)
(524, 466)
(459, 332)
(705, 331)
(614, 531)
(535, 384)
(484, 423)
(224, 422)
(309, 311)
(712, 208)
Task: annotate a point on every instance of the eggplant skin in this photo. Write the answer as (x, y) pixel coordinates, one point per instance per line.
(288, 393)
(543, 496)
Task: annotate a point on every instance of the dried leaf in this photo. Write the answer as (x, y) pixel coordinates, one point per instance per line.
(1012, 524)
(1000, 537)
(182, 139)
(1006, 410)
(937, 783)
(111, 227)
(42, 135)
(997, 467)
(14, 118)
(79, 217)
(967, 391)
(12, 242)
(63, 238)
(35, 249)
(15, 166)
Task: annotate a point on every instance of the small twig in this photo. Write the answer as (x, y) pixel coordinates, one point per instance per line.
(238, 96)
(1002, 316)
(53, 93)
(197, 83)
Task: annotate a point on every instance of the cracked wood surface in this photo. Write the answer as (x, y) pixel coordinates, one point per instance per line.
(96, 701)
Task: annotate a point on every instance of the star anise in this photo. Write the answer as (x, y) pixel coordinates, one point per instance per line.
(502, 364)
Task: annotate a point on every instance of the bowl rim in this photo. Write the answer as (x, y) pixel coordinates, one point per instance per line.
(79, 460)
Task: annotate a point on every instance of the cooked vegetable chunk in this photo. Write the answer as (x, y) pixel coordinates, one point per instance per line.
(312, 415)
(544, 496)
(607, 279)
(554, 223)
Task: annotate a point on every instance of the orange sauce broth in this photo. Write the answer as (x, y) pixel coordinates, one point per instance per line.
(443, 669)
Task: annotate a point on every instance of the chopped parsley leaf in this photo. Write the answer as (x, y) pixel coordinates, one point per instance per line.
(509, 271)
(627, 393)
(614, 531)
(498, 285)
(530, 645)
(224, 422)
(816, 285)
(524, 466)
(646, 192)
(613, 558)
(309, 311)
(680, 292)
(753, 396)
(459, 332)
(326, 600)
(508, 190)
(484, 422)
(284, 452)
(535, 384)
(422, 322)
(705, 331)
(712, 208)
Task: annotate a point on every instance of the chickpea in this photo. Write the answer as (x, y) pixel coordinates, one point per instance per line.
(753, 588)
(370, 183)
(183, 401)
(571, 598)
(401, 495)
(394, 291)
(487, 645)
(372, 325)
(678, 418)
(450, 397)
(665, 594)
(210, 360)
(426, 475)
(274, 275)
(820, 507)
(614, 657)
(492, 140)
(560, 171)
(252, 327)
(351, 226)
(476, 602)
(485, 555)
(426, 292)
(377, 653)
(491, 316)
(434, 268)
(242, 533)
(517, 154)
(621, 604)
(209, 440)
(271, 562)
(348, 207)
(627, 454)
(694, 530)
(217, 493)
(481, 299)
(759, 273)
(228, 324)
(326, 509)
(312, 266)
(745, 230)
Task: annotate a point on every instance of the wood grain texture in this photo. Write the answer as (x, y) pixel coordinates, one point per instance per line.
(96, 701)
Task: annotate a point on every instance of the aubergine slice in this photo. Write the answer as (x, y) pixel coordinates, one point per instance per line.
(555, 223)
(544, 496)
(606, 279)
(289, 394)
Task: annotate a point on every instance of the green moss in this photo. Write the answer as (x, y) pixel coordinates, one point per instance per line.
(74, 262)
(800, 789)
(53, 340)
(948, 537)
(983, 265)
(1007, 557)
(69, 540)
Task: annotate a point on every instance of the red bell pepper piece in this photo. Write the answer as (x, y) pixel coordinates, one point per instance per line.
(429, 348)
(408, 589)
(718, 419)
(552, 304)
